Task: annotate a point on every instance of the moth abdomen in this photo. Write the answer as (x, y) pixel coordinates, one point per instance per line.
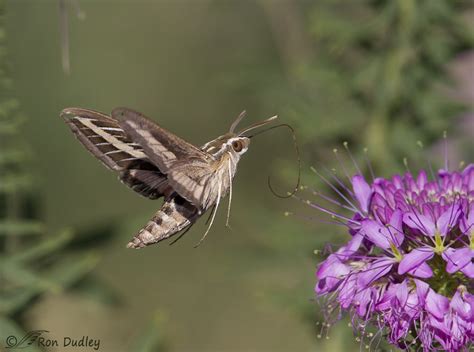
(175, 215)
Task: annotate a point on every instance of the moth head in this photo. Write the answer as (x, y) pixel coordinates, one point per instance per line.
(235, 142)
(229, 142)
(238, 141)
(238, 145)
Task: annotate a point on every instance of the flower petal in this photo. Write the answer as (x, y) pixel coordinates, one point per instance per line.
(402, 293)
(362, 191)
(376, 233)
(467, 223)
(375, 271)
(468, 270)
(457, 259)
(352, 246)
(420, 222)
(386, 301)
(461, 307)
(414, 259)
(362, 299)
(423, 271)
(332, 267)
(422, 289)
(326, 285)
(468, 176)
(347, 291)
(421, 180)
(436, 304)
(395, 228)
(330, 274)
(448, 219)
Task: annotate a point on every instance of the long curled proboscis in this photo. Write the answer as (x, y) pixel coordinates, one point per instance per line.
(290, 194)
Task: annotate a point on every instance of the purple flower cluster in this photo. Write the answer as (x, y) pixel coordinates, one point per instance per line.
(409, 265)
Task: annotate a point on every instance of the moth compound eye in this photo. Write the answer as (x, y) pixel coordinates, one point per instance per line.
(237, 146)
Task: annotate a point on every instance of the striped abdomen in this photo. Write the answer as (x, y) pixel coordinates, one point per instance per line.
(175, 215)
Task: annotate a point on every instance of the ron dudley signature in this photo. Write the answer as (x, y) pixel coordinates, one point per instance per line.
(39, 338)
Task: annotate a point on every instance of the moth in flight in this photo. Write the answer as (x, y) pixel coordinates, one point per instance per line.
(156, 163)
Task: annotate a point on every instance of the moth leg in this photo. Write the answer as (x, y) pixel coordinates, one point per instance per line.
(189, 227)
(210, 214)
(230, 197)
(181, 235)
(213, 216)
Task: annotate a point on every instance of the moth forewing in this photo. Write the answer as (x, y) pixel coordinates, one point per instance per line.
(161, 146)
(107, 141)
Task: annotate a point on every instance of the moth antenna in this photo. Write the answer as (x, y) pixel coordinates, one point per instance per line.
(289, 194)
(237, 121)
(256, 125)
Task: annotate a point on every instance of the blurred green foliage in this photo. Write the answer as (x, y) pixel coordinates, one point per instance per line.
(375, 69)
(33, 262)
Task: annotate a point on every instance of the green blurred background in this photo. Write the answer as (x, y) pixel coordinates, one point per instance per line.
(378, 74)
